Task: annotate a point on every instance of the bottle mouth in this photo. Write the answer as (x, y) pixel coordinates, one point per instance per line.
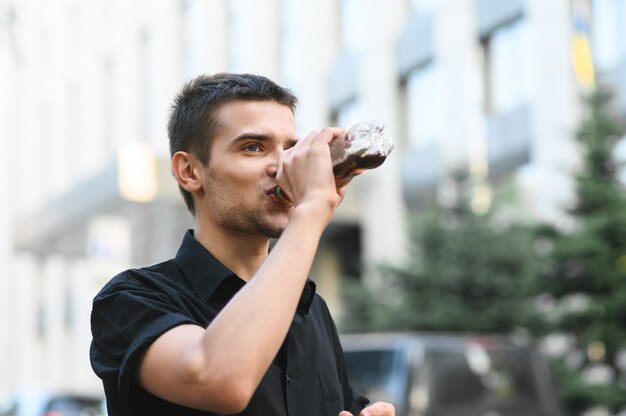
(281, 196)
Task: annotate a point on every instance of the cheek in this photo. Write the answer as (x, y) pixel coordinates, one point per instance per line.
(237, 180)
(229, 189)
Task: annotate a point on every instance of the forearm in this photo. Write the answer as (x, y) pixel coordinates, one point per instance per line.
(249, 331)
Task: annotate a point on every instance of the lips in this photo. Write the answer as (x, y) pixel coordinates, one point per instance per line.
(272, 194)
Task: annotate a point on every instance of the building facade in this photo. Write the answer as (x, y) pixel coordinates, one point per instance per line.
(490, 86)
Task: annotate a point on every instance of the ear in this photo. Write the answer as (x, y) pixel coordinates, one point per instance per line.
(184, 168)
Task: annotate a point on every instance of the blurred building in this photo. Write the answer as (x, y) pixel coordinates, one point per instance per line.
(492, 86)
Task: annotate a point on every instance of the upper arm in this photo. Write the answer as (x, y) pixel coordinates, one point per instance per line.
(175, 368)
(140, 336)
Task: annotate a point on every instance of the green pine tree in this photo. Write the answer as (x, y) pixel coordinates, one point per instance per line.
(585, 271)
(463, 273)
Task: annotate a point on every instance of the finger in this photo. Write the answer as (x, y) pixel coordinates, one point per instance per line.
(379, 409)
(307, 139)
(345, 413)
(282, 157)
(325, 135)
(314, 145)
(342, 194)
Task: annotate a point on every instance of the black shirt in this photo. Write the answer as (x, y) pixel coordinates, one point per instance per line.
(307, 377)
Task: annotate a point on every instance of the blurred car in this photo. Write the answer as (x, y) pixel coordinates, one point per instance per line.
(104, 411)
(451, 375)
(40, 402)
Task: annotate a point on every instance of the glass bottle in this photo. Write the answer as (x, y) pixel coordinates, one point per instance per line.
(363, 146)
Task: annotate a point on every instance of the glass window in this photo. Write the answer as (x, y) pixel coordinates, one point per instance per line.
(504, 379)
(8, 409)
(424, 107)
(423, 4)
(348, 114)
(237, 36)
(371, 372)
(247, 35)
(73, 406)
(193, 30)
(608, 33)
(292, 38)
(510, 66)
(353, 24)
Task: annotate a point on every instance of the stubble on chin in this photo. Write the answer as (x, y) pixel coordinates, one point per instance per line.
(237, 216)
(270, 230)
(254, 223)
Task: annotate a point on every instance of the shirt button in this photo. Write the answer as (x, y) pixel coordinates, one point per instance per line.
(288, 379)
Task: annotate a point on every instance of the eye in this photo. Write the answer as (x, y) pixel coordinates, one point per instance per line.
(252, 147)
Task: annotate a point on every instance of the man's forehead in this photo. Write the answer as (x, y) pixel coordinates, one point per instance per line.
(267, 117)
(252, 106)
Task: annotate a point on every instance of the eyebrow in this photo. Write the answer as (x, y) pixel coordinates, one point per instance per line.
(259, 137)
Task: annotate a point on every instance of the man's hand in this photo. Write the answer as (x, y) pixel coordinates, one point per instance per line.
(377, 409)
(305, 171)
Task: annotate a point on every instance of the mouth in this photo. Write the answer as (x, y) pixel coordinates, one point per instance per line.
(272, 195)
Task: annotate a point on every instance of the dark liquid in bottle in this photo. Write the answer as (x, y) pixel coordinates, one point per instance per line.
(355, 165)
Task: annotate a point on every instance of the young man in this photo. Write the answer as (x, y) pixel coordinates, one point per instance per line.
(227, 326)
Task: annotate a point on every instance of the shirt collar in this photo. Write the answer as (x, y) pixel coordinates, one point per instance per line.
(200, 267)
(206, 273)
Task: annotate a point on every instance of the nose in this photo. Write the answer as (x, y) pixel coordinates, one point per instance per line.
(272, 169)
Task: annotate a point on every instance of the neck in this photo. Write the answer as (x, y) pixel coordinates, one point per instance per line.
(241, 252)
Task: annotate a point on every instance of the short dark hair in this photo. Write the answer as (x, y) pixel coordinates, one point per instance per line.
(193, 123)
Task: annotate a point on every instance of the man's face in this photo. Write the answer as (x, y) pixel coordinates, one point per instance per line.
(239, 180)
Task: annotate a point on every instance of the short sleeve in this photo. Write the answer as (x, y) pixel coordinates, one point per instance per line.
(126, 319)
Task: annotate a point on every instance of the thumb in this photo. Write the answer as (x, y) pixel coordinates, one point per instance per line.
(345, 413)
